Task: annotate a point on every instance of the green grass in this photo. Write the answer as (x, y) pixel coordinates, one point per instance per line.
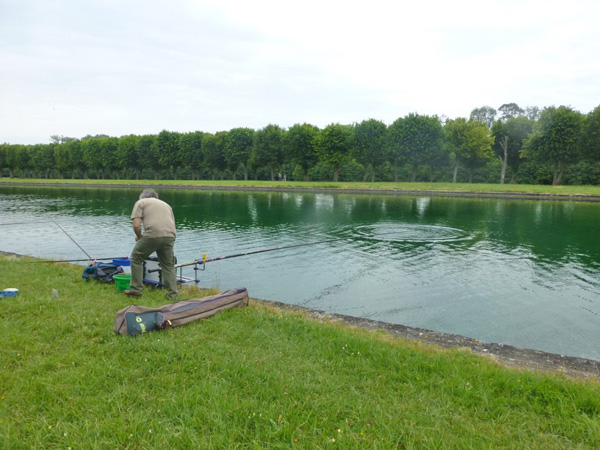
(254, 378)
(457, 187)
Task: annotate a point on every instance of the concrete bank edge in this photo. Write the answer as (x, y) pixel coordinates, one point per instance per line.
(507, 355)
(351, 191)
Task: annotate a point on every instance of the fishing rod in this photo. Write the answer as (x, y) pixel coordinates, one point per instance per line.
(79, 260)
(69, 236)
(205, 260)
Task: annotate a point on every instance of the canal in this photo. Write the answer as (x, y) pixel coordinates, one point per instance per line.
(518, 272)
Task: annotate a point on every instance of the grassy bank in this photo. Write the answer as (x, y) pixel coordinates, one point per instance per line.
(445, 187)
(254, 378)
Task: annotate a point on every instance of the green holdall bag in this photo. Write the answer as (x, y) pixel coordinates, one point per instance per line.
(134, 320)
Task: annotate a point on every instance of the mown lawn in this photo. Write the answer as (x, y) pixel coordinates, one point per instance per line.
(403, 186)
(254, 378)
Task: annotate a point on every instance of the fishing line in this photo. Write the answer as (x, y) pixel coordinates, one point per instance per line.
(69, 236)
(375, 234)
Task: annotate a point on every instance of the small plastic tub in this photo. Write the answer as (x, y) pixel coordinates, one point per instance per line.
(10, 292)
(122, 262)
(122, 281)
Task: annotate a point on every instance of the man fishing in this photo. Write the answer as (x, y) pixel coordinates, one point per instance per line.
(158, 236)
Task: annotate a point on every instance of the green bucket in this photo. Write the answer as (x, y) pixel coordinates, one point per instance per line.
(122, 281)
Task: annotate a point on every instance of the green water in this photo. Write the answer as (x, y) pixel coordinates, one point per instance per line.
(519, 272)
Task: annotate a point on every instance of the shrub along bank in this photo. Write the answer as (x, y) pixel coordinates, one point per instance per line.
(256, 378)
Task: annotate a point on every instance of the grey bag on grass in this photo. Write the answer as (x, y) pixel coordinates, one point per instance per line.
(134, 319)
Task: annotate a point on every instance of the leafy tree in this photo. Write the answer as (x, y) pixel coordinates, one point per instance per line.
(238, 148)
(3, 148)
(300, 144)
(127, 156)
(166, 146)
(532, 112)
(334, 144)
(591, 135)
(213, 148)
(11, 159)
(56, 139)
(509, 136)
(510, 111)
(417, 140)
(470, 144)
(75, 156)
(190, 145)
(22, 160)
(268, 148)
(41, 158)
(68, 157)
(395, 144)
(110, 161)
(147, 153)
(61, 156)
(485, 115)
(555, 139)
(369, 145)
(92, 156)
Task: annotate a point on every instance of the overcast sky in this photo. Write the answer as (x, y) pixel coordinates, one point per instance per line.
(116, 67)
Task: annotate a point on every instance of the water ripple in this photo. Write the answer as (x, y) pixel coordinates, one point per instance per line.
(403, 232)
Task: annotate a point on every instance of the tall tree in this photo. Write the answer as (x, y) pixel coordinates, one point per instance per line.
(110, 161)
(470, 144)
(147, 153)
(418, 140)
(59, 139)
(555, 139)
(591, 135)
(485, 115)
(75, 155)
(3, 148)
(12, 156)
(166, 145)
(41, 157)
(532, 112)
(238, 148)
(213, 148)
(190, 145)
(395, 144)
(300, 144)
(61, 158)
(510, 111)
(127, 156)
(508, 142)
(334, 146)
(268, 148)
(92, 156)
(369, 145)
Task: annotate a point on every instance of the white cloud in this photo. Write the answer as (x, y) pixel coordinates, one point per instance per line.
(106, 66)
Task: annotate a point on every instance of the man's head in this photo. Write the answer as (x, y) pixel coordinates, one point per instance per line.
(148, 193)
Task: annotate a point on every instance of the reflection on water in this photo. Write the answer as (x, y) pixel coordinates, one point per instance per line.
(523, 272)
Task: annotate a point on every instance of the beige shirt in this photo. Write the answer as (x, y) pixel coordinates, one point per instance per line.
(157, 217)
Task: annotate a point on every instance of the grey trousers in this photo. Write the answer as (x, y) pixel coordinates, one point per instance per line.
(163, 246)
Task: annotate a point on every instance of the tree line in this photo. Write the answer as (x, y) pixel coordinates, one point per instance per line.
(556, 145)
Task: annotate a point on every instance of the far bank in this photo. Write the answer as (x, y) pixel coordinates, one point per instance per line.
(541, 192)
